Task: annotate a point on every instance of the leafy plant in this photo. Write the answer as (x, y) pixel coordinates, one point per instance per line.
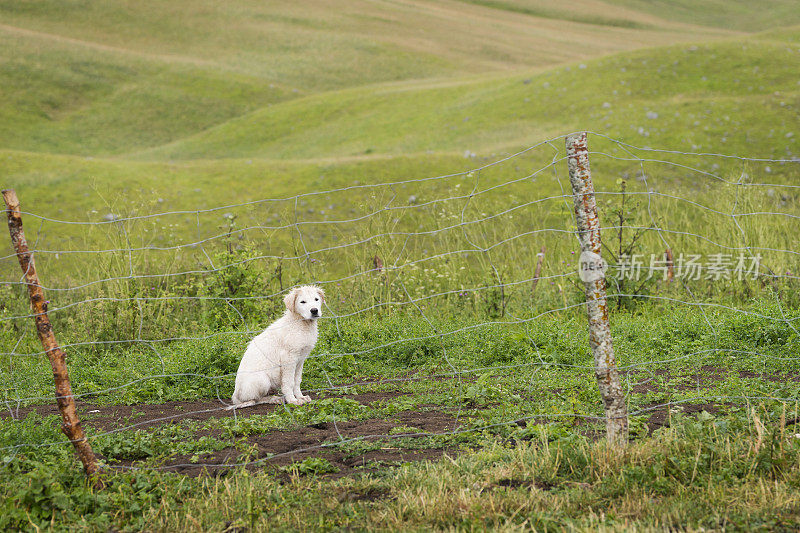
(486, 390)
(626, 242)
(162, 442)
(311, 466)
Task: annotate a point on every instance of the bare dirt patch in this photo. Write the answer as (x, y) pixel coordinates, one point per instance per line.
(278, 448)
(704, 381)
(275, 449)
(117, 417)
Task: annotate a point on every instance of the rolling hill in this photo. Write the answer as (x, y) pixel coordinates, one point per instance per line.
(105, 78)
(140, 107)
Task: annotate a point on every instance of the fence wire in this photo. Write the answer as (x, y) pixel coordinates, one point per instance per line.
(460, 243)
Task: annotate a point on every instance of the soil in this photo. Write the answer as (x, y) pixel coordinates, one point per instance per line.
(114, 417)
(278, 448)
(704, 381)
(275, 449)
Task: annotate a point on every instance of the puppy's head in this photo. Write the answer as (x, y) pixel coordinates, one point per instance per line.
(305, 301)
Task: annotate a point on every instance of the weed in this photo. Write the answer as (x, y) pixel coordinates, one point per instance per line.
(311, 466)
(485, 390)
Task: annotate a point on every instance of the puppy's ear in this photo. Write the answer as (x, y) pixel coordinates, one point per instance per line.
(291, 300)
(321, 294)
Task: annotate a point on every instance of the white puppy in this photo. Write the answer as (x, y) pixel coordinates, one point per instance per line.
(274, 359)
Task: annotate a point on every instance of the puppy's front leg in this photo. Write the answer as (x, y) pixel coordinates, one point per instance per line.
(298, 378)
(288, 385)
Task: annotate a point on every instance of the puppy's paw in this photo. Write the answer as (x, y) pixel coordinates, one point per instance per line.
(305, 398)
(294, 401)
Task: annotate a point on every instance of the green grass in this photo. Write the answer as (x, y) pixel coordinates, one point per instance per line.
(701, 95)
(323, 46)
(94, 106)
(575, 13)
(424, 220)
(396, 341)
(391, 133)
(81, 79)
(786, 34)
(141, 108)
(88, 102)
(733, 14)
(548, 473)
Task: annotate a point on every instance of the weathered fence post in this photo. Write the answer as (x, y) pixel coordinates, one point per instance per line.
(592, 270)
(538, 271)
(670, 260)
(71, 425)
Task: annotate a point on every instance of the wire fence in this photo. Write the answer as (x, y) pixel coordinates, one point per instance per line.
(423, 274)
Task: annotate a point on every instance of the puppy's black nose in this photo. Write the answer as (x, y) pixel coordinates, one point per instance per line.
(314, 311)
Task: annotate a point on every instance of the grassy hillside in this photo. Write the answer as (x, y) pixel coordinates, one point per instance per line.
(702, 96)
(102, 116)
(168, 119)
(737, 96)
(61, 98)
(734, 14)
(320, 44)
(104, 78)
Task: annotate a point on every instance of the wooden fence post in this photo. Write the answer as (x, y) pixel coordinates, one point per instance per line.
(670, 260)
(592, 271)
(71, 425)
(538, 271)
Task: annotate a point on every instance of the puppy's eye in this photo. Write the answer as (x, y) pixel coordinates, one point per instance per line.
(316, 299)
(302, 301)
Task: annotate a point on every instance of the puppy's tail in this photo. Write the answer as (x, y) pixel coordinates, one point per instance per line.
(251, 403)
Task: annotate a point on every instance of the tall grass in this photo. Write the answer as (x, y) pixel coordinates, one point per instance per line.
(697, 475)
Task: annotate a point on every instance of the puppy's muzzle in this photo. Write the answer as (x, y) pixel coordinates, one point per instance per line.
(314, 312)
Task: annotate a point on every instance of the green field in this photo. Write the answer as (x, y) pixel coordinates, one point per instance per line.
(180, 165)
